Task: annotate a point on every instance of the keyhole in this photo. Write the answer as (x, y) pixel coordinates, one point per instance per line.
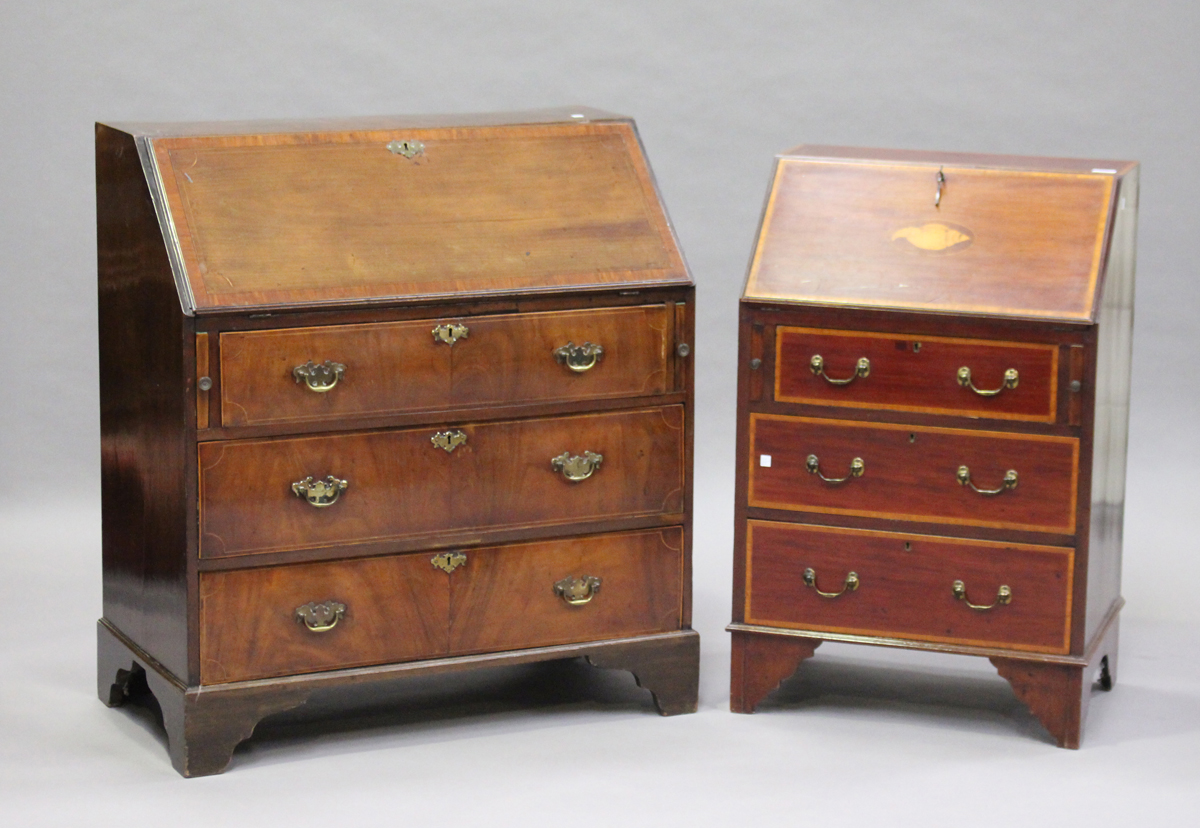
(907, 546)
(916, 347)
(912, 438)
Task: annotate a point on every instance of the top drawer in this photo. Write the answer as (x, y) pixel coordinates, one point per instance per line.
(394, 367)
(928, 374)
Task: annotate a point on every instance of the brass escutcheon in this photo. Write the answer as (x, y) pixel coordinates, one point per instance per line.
(408, 148)
(810, 580)
(319, 378)
(448, 440)
(578, 358)
(321, 617)
(1003, 596)
(862, 368)
(450, 332)
(320, 493)
(964, 479)
(576, 467)
(448, 561)
(1010, 381)
(857, 468)
(577, 591)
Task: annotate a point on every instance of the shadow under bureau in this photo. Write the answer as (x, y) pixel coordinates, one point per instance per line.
(932, 413)
(387, 397)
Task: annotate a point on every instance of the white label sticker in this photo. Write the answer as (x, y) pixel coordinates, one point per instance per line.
(764, 460)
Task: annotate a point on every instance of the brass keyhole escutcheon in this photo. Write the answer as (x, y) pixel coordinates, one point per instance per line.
(448, 561)
(406, 147)
(448, 441)
(450, 332)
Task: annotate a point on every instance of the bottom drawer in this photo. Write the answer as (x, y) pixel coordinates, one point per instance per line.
(909, 586)
(301, 618)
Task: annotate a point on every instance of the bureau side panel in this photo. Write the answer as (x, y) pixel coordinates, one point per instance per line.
(1111, 420)
(144, 414)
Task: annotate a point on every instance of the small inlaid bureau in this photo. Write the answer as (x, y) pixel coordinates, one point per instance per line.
(932, 413)
(382, 398)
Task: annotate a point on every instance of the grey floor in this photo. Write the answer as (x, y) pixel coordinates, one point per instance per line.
(861, 736)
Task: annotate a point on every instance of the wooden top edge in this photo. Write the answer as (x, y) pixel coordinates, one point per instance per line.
(868, 155)
(550, 115)
(1005, 314)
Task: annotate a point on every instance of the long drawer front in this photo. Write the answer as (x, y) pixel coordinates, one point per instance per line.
(940, 475)
(326, 373)
(292, 493)
(274, 621)
(920, 587)
(930, 374)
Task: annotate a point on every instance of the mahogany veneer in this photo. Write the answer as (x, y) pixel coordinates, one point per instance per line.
(932, 413)
(387, 397)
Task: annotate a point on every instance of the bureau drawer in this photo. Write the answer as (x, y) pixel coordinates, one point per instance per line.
(587, 589)
(393, 367)
(1002, 380)
(906, 586)
(403, 484)
(393, 609)
(404, 607)
(917, 473)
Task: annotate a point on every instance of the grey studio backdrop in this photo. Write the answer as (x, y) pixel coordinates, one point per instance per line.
(717, 89)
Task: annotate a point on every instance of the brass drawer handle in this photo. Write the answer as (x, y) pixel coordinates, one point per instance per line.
(857, 467)
(964, 479)
(448, 440)
(577, 591)
(448, 561)
(320, 493)
(450, 332)
(576, 467)
(862, 368)
(1010, 381)
(851, 584)
(578, 358)
(1003, 596)
(319, 378)
(321, 617)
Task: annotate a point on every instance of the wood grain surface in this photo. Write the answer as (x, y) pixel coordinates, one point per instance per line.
(401, 485)
(399, 367)
(905, 586)
(910, 472)
(917, 373)
(318, 217)
(1000, 242)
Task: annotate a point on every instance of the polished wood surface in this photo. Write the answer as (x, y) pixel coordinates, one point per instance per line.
(146, 413)
(910, 472)
(205, 724)
(1023, 263)
(503, 597)
(312, 217)
(401, 485)
(906, 586)
(868, 233)
(396, 610)
(917, 373)
(230, 254)
(400, 367)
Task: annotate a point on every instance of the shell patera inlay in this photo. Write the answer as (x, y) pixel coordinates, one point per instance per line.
(935, 237)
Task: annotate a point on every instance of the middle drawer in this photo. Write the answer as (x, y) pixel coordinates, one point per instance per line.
(277, 494)
(941, 475)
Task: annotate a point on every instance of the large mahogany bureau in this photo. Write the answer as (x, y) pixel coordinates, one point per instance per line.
(387, 397)
(932, 414)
